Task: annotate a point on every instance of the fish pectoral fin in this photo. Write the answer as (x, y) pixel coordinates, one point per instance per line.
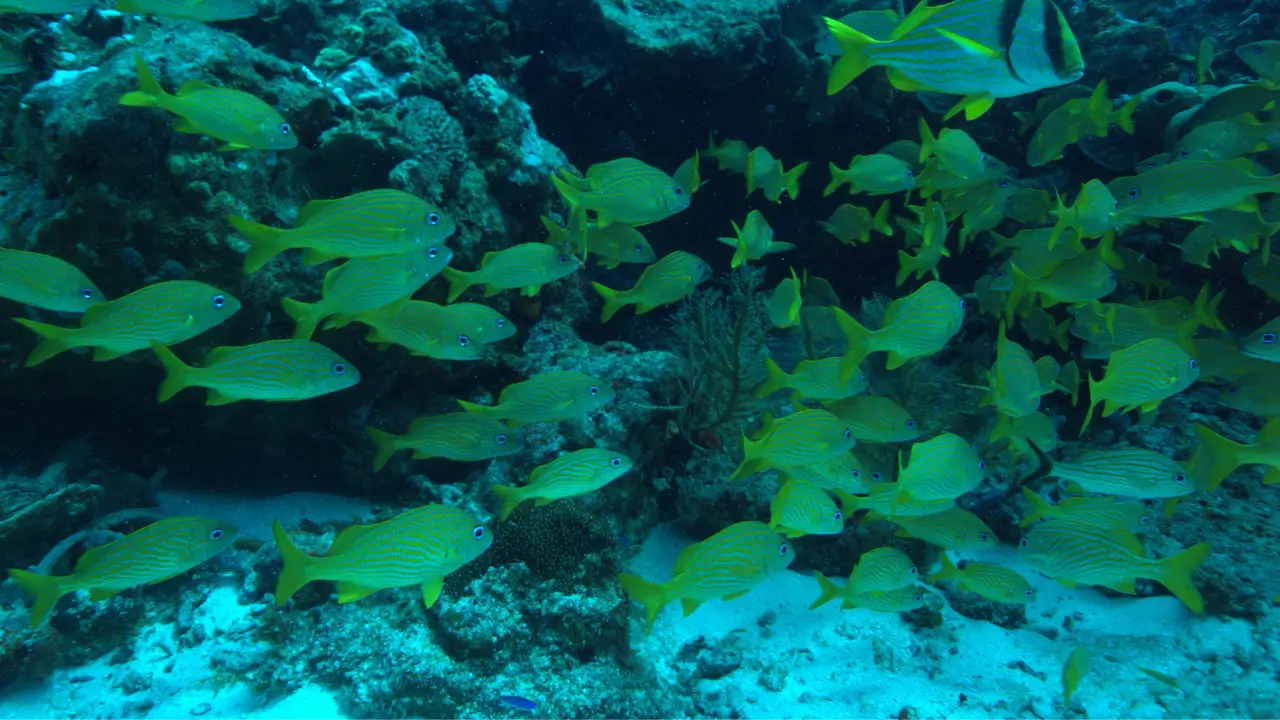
(1124, 586)
(689, 605)
(228, 147)
(735, 595)
(431, 591)
(532, 290)
(970, 46)
(1069, 584)
(349, 591)
(100, 594)
(186, 126)
(217, 397)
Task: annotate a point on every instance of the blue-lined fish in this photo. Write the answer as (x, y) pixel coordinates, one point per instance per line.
(1080, 280)
(872, 174)
(447, 332)
(894, 601)
(275, 370)
(1089, 217)
(725, 566)
(765, 173)
(990, 581)
(1016, 382)
(1192, 186)
(201, 10)
(1116, 325)
(783, 305)
(881, 570)
(914, 326)
(1140, 377)
(980, 49)
(418, 547)
(167, 313)
(673, 278)
(571, 474)
(952, 529)
(943, 468)
(956, 152)
(364, 284)
(1072, 553)
(367, 224)
(1074, 671)
(876, 24)
(1262, 57)
(853, 222)
(803, 509)
(844, 472)
(1077, 119)
(240, 120)
(1127, 472)
(46, 282)
(1261, 343)
(812, 380)
(525, 267)
(1257, 392)
(1221, 359)
(615, 244)
(882, 499)
(1101, 512)
(932, 231)
(625, 190)
(461, 436)
(875, 418)
(156, 552)
(753, 240)
(550, 396)
(1226, 139)
(796, 439)
(1217, 457)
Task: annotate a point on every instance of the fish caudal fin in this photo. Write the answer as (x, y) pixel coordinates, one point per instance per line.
(386, 443)
(906, 266)
(751, 463)
(264, 242)
(459, 281)
(1215, 458)
(294, 573)
(613, 301)
(1124, 118)
(149, 92)
(856, 59)
(46, 589)
(1038, 506)
(304, 315)
(838, 178)
(775, 379)
(858, 341)
(829, 591)
(511, 498)
(652, 595)
(880, 221)
(1095, 396)
(791, 179)
(54, 340)
(176, 372)
(1176, 575)
(948, 571)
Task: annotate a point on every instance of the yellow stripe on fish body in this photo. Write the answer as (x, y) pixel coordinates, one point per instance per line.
(943, 468)
(364, 284)
(799, 438)
(990, 581)
(570, 475)
(156, 552)
(46, 282)
(617, 243)
(526, 267)
(276, 370)
(1017, 382)
(914, 326)
(875, 418)
(551, 396)
(842, 471)
(237, 118)
(872, 174)
(725, 566)
(626, 190)
(418, 547)
(882, 570)
(467, 437)
(1074, 553)
(882, 499)
(813, 380)
(1191, 186)
(203, 11)
(1257, 393)
(1127, 472)
(1101, 512)
(446, 332)
(903, 599)
(953, 529)
(803, 509)
(672, 278)
(1140, 377)
(166, 313)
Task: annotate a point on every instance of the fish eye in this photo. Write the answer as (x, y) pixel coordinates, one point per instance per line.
(837, 515)
(433, 218)
(87, 293)
(1180, 478)
(982, 464)
(1193, 364)
(1117, 205)
(961, 303)
(463, 341)
(432, 252)
(857, 474)
(1004, 183)
(679, 190)
(1133, 193)
(1233, 391)
(910, 174)
(1113, 277)
(1182, 155)
(594, 390)
(911, 424)
(219, 300)
(1029, 592)
(912, 570)
(500, 439)
(616, 462)
(1000, 275)
(848, 433)
(478, 532)
(782, 549)
(285, 129)
(1145, 519)
(1024, 544)
(983, 536)
(338, 368)
(1257, 50)
(564, 259)
(919, 597)
(500, 322)
(876, 476)
(216, 534)
(639, 247)
(1268, 338)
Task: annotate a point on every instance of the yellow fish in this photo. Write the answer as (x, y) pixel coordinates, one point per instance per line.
(672, 278)
(812, 380)
(46, 282)
(1074, 670)
(842, 472)
(466, 437)
(956, 152)
(885, 499)
(799, 438)
(852, 222)
(460, 331)
(1189, 187)
(203, 10)
(943, 468)
(990, 581)
(1016, 381)
(753, 240)
(765, 173)
(932, 231)
(549, 396)
(730, 155)
(1089, 217)
(1263, 58)
(1127, 472)
(915, 326)
(572, 474)
(625, 190)
(803, 509)
(875, 418)
(872, 174)
(1261, 343)
(1101, 512)
(953, 529)
(1217, 457)
(525, 267)
(274, 371)
(615, 244)
(1140, 377)
(784, 302)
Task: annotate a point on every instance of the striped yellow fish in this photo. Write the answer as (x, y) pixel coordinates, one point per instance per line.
(803, 509)
(367, 224)
(1221, 359)
(980, 49)
(784, 302)
(571, 474)
(850, 223)
(1089, 217)
(1217, 457)
(615, 244)
(753, 240)
(1080, 280)
(453, 436)
(1118, 326)
(915, 326)
(796, 439)
(881, 570)
(626, 191)
(364, 284)
(765, 173)
(1140, 377)
(931, 231)
(953, 529)
(1101, 512)
(894, 601)
(275, 370)
(843, 471)
(883, 500)
(46, 282)
(1261, 343)
(157, 552)
(525, 267)
(1127, 472)
(812, 380)
(875, 418)
(955, 151)
(418, 547)
(447, 332)
(943, 468)
(990, 581)
(551, 396)
(1034, 428)
(725, 566)
(1016, 382)
(1257, 392)
(202, 10)
(240, 120)
(1191, 186)
(671, 279)
(874, 175)
(1072, 553)
(1074, 671)
(899, 593)
(166, 313)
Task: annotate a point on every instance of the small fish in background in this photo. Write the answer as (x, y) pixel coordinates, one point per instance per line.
(753, 240)
(1263, 58)
(201, 10)
(875, 418)
(990, 581)
(1078, 119)
(914, 326)
(46, 282)
(1074, 671)
(872, 174)
(460, 331)
(274, 371)
(240, 120)
(956, 152)
(784, 302)
(1257, 392)
(765, 173)
(851, 223)
(167, 313)
(572, 474)
(689, 175)
(1089, 217)
(525, 267)
(812, 380)
(550, 396)
(875, 24)
(418, 547)
(1016, 383)
(1261, 343)
(671, 279)
(1141, 377)
(932, 232)
(625, 190)
(803, 509)
(796, 439)
(730, 155)
(157, 552)
(1216, 457)
(465, 437)
(618, 243)
(519, 703)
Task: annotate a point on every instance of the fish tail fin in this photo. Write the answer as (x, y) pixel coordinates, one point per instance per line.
(386, 443)
(511, 498)
(1176, 573)
(1106, 249)
(791, 180)
(858, 341)
(830, 591)
(837, 179)
(948, 570)
(650, 594)
(1064, 214)
(1021, 284)
(1095, 391)
(739, 250)
(264, 242)
(751, 460)
(47, 591)
(880, 221)
(1038, 506)
(294, 573)
(907, 265)
(856, 58)
(304, 315)
(927, 140)
(54, 340)
(149, 92)
(176, 373)
(1124, 118)
(1215, 458)
(571, 195)
(459, 282)
(1205, 308)
(613, 300)
(775, 379)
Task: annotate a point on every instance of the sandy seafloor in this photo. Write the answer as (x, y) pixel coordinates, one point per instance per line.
(790, 661)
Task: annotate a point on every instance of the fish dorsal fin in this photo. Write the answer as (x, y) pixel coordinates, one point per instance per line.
(914, 19)
(348, 538)
(311, 210)
(194, 86)
(217, 354)
(684, 559)
(1130, 542)
(90, 558)
(431, 591)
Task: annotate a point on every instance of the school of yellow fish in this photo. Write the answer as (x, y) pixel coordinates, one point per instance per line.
(1054, 263)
